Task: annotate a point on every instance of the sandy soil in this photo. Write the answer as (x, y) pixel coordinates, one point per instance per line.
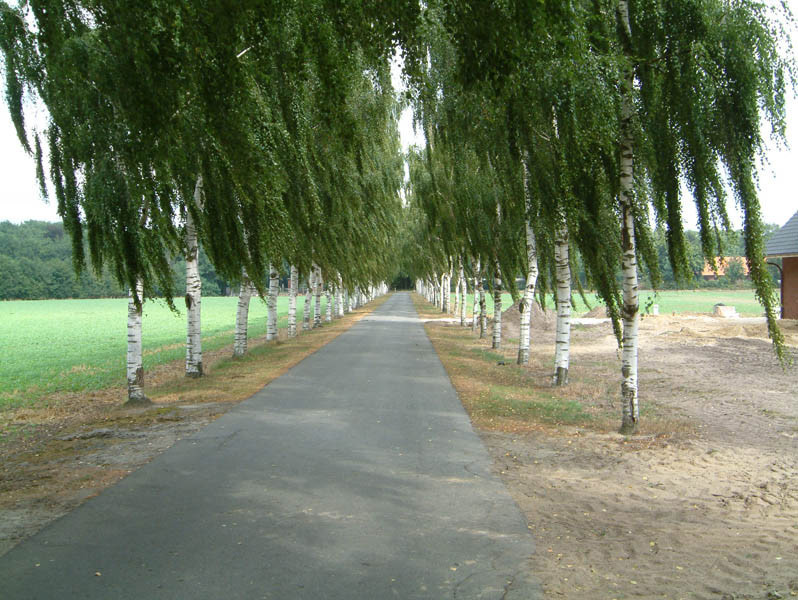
(711, 513)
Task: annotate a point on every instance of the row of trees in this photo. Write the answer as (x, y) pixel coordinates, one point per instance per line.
(263, 132)
(36, 263)
(555, 130)
(266, 132)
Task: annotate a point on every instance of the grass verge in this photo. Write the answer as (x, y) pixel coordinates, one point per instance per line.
(501, 395)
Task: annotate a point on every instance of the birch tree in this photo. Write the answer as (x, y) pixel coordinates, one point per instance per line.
(135, 365)
(292, 294)
(271, 303)
(242, 316)
(318, 283)
(563, 300)
(525, 307)
(308, 300)
(193, 291)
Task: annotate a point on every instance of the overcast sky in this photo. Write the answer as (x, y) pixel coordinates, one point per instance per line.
(20, 199)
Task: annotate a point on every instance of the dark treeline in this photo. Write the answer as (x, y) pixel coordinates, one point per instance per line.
(36, 263)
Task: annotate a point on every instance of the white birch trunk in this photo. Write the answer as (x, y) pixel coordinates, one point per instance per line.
(477, 298)
(339, 297)
(293, 285)
(497, 293)
(457, 293)
(135, 365)
(308, 301)
(531, 272)
(328, 312)
(242, 316)
(497, 310)
(631, 313)
(193, 292)
(317, 297)
(562, 348)
(483, 312)
(529, 292)
(463, 296)
(271, 304)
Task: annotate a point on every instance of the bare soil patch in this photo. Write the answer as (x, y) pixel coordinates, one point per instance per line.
(69, 447)
(702, 503)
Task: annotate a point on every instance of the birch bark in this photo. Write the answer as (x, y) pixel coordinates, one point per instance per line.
(317, 297)
(477, 298)
(463, 296)
(497, 310)
(483, 312)
(135, 365)
(631, 313)
(529, 293)
(563, 341)
(525, 307)
(242, 316)
(308, 301)
(339, 295)
(328, 312)
(271, 304)
(292, 292)
(193, 292)
(457, 292)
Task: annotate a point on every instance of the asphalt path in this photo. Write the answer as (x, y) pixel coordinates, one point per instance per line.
(354, 475)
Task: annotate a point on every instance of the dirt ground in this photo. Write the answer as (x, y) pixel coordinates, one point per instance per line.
(710, 512)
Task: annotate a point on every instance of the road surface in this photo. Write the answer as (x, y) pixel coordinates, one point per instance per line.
(356, 475)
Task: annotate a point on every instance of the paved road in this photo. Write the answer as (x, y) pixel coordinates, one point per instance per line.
(354, 476)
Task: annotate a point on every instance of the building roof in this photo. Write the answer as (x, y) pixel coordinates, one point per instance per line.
(785, 241)
(722, 264)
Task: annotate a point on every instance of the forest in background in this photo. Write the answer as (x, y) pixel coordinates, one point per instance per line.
(36, 264)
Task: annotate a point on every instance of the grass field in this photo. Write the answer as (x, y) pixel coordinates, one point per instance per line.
(669, 301)
(49, 346)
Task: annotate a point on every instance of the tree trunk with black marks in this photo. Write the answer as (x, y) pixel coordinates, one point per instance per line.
(563, 340)
(193, 292)
(135, 364)
(631, 305)
(242, 316)
(308, 301)
(293, 285)
(271, 304)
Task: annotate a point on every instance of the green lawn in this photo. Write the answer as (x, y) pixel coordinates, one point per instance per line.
(69, 345)
(669, 301)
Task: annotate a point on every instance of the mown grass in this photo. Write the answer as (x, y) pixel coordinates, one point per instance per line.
(502, 395)
(669, 301)
(50, 346)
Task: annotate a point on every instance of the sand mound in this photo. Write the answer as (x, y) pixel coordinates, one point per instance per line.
(597, 312)
(540, 320)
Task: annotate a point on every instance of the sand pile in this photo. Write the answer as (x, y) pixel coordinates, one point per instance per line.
(540, 320)
(597, 312)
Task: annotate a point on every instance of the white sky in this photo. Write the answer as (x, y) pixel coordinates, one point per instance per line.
(20, 199)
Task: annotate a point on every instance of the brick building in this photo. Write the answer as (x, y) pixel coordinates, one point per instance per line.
(784, 244)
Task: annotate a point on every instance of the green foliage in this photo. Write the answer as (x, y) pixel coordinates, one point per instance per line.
(285, 110)
(35, 263)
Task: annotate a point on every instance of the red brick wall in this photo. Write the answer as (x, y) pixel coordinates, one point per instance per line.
(790, 266)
